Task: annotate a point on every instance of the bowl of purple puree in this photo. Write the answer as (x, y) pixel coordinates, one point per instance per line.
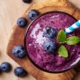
(35, 38)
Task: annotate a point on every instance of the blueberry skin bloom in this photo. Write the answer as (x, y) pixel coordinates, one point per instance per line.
(19, 51)
(49, 32)
(33, 14)
(5, 67)
(20, 72)
(49, 46)
(21, 22)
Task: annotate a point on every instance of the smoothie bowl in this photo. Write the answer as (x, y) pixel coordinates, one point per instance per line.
(43, 46)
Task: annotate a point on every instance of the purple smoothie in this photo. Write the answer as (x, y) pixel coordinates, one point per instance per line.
(35, 40)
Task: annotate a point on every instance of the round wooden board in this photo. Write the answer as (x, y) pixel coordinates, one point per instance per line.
(17, 38)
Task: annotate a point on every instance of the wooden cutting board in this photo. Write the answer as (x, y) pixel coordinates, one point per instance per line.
(17, 38)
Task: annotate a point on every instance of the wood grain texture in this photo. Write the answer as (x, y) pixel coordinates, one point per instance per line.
(18, 34)
(10, 11)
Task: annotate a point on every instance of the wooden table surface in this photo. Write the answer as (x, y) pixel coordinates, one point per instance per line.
(10, 11)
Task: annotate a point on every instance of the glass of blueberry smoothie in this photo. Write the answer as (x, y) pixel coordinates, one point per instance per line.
(48, 46)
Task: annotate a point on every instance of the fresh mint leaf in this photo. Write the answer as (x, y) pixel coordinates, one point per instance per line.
(62, 51)
(73, 40)
(61, 37)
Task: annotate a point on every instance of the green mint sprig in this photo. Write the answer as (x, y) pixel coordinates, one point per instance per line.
(61, 37)
(73, 40)
(62, 51)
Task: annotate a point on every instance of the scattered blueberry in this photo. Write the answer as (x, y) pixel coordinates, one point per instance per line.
(26, 1)
(33, 14)
(20, 72)
(49, 32)
(19, 51)
(5, 67)
(21, 22)
(49, 46)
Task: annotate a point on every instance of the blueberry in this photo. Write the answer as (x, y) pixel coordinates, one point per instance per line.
(21, 22)
(19, 51)
(33, 14)
(26, 1)
(20, 72)
(49, 32)
(5, 67)
(49, 46)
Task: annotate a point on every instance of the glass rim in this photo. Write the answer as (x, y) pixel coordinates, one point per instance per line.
(60, 71)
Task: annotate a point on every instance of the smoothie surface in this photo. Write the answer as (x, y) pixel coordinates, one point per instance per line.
(35, 39)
